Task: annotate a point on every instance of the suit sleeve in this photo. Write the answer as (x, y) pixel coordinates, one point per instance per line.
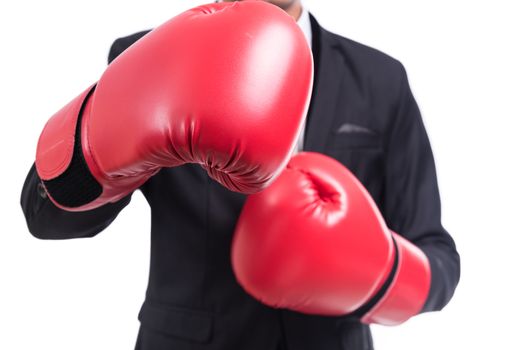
(45, 220)
(412, 200)
(121, 44)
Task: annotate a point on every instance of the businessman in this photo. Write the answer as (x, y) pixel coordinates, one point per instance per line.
(362, 114)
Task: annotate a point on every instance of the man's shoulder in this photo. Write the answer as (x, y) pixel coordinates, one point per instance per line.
(370, 68)
(362, 52)
(365, 59)
(121, 44)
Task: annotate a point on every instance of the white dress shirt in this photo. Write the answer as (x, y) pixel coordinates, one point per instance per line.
(305, 24)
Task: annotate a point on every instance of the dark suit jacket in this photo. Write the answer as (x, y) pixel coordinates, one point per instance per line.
(364, 115)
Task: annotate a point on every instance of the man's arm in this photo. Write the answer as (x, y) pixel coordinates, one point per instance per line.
(412, 203)
(46, 221)
(121, 44)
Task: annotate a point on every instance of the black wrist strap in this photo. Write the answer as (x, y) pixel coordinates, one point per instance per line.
(364, 309)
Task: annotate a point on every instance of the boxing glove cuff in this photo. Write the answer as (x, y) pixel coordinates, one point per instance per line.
(66, 167)
(59, 160)
(408, 289)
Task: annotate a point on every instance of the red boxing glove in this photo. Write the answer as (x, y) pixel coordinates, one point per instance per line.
(315, 242)
(224, 85)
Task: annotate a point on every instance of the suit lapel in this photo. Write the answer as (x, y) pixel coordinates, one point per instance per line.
(326, 89)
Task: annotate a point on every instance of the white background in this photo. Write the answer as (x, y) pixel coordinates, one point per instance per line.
(465, 64)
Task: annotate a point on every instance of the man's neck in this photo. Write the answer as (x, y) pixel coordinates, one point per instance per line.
(294, 10)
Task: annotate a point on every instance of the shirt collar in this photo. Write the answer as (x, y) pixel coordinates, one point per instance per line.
(305, 24)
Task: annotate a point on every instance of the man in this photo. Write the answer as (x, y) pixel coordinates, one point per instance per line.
(363, 114)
